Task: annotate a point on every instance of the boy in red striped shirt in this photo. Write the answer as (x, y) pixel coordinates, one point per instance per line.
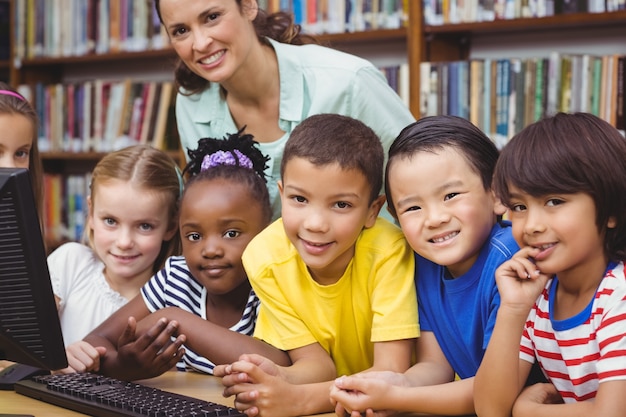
(564, 293)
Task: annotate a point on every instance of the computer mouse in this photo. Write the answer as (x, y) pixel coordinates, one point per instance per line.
(16, 372)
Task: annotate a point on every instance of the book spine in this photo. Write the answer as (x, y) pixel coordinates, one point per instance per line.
(619, 102)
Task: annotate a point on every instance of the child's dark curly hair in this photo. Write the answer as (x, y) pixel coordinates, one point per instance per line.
(244, 143)
(235, 158)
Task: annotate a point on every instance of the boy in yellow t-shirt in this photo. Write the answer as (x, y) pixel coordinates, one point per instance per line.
(335, 281)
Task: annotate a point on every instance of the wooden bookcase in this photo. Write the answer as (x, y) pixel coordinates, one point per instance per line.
(419, 41)
(451, 42)
(52, 70)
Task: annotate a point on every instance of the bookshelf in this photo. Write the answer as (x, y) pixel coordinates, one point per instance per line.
(574, 39)
(28, 66)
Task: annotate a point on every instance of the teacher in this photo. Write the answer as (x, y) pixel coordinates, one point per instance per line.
(242, 68)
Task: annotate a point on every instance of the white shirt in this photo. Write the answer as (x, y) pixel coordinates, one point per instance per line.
(77, 277)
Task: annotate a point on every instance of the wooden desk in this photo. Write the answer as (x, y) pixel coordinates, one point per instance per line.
(205, 387)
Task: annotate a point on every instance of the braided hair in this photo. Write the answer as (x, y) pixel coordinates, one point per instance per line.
(235, 158)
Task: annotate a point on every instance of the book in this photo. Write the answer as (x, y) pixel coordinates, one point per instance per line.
(113, 116)
(493, 99)
(539, 89)
(604, 86)
(146, 118)
(520, 90)
(515, 74)
(529, 103)
(165, 102)
(477, 91)
(595, 90)
(485, 126)
(404, 87)
(453, 82)
(103, 25)
(620, 123)
(502, 105)
(434, 98)
(612, 97)
(566, 84)
(554, 84)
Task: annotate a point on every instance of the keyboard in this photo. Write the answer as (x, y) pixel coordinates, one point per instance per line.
(102, 396)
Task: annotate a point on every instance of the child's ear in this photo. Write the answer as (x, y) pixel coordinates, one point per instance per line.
(374, 210)
(171, 232)
(280, 188)
(392, 213)
(498, 208)
(89, 213)
(612, 223)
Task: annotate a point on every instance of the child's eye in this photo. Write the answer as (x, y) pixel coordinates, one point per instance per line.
(413, 208)
(298, 199)
(22, 154)
(231, 234)
(554, 202)
(146, 227)
(342, 205)
(109, 221)
(193, 237)
(518, 207)
(450, 196)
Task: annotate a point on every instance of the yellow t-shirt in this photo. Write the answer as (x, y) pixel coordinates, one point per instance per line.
(374, 301)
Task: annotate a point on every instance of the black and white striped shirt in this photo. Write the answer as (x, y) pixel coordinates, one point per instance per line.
(174, 286)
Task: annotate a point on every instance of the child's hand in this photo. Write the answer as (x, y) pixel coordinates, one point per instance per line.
(362, 393)
(533, 395)
(83, 357)
(257, 385)
(520, 281)
(153, 352)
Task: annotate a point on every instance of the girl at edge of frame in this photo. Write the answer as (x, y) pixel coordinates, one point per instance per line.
(18, 141)
(18, 146)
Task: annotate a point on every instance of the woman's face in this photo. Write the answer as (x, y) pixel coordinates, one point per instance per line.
(213, 38)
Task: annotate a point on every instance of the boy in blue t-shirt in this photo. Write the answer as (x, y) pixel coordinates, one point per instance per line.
(438, 186)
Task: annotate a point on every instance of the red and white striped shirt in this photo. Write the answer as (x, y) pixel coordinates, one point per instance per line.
(579, 353)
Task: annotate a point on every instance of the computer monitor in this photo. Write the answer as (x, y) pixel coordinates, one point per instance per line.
(30, 332)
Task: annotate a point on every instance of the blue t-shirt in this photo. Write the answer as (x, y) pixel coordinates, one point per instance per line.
(461, 312)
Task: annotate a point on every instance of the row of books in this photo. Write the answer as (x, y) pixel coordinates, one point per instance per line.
(57, 28)
(439, 12)
(337, 16)
(501, 96)
(103, 115)
(398, 79)
(65, 208)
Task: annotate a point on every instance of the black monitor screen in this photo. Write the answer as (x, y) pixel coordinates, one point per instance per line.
(30, 332)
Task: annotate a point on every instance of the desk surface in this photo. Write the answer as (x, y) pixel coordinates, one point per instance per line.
(205, 387)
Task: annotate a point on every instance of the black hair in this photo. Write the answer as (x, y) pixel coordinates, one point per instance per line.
(437, 132)
(253, 177)
(325, 139)
(571, 153)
